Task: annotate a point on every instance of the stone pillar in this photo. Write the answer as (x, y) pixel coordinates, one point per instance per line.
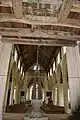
(45, 87)
(13, 83)
(61, 95)
(7, 84)
(73, 63)
(65, 82)
(19, 91)
(17, 85)
(39, 88)
(25, 88)
(5, 50)
(28, 94)
(53, 88)
(34, 89)
(58, 75)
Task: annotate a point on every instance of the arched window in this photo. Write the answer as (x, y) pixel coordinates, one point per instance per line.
(48, 74)
(54, 66)
(23, 73)
(58, 58)
(31, 92)
(36, 91)
(61, 79)
(19, 64)
(50, 71)
(15, 55)
(21, 69)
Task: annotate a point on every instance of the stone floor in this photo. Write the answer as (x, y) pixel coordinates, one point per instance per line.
(12, 116)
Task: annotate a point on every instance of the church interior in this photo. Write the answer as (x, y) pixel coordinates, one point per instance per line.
(39, 59)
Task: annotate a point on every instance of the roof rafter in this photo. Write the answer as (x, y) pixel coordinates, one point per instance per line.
(17, 7)
(39, 34)
(65, 9)
(38, 41)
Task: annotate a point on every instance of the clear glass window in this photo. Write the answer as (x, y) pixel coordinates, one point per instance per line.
(15, 55)
(54, 66)
(64, 50)
(58, 58)
(19, 64)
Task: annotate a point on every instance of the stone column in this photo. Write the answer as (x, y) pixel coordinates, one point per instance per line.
(17, 85)
(7, 84)
(65, 82)
(73, 63)
(34, 90)
(25, 88)
(19, 90)
(39, 88)
(13, 83)
(34, 87)
(61, 95)
(28, 94)
(45, 87)
(5, 50)
(53, 88)
(58, 75)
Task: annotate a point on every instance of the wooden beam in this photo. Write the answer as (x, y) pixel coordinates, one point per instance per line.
(45, 42)
(11, 18)
(72, 22)
(17, 7)
(40, 34)
(64, 11)
(76, 8)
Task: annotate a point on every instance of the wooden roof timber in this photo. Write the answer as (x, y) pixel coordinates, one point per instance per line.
(40, 42)
(67, 23)
(25, 50)
(46, 30)
(76, 8)
(39, 34)
(43, 64)
(42, 52)
(29, 63)
(29, 56)
(65, 10)
(17, 7)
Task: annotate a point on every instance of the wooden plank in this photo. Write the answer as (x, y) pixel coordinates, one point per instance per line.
(40, 34)
(17, 7)
(76, 8)
(11, 18)
(73, 22)
(65, 9)
(39, 42)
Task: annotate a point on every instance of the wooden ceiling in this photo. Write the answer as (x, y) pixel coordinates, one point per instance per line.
(44, 23)
(45, 55)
